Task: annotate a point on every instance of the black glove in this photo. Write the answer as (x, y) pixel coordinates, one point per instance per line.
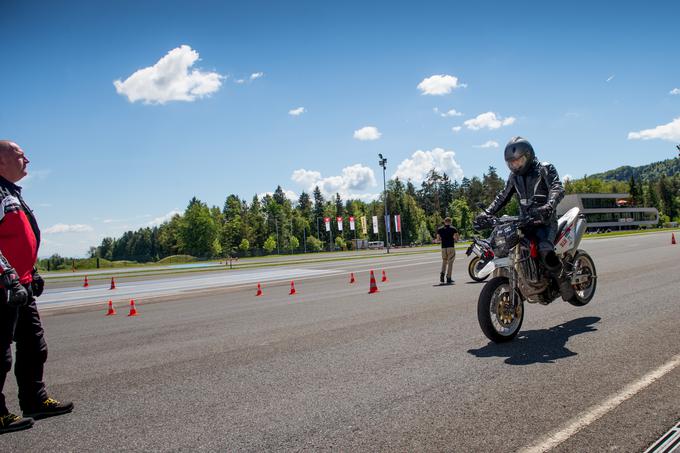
(38, 284)
(542, 213)
(16, 294)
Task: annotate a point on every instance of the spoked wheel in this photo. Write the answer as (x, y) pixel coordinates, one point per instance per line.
(476, 264)
(497, 317)
(586, 276)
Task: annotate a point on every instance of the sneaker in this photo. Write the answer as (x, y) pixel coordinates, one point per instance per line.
(48, 408)
(441, 277)
(11, 422)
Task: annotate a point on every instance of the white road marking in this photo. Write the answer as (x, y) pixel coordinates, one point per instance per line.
(592, 414)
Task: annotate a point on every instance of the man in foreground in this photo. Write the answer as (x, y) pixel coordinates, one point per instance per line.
(20, 284)
(448, 236)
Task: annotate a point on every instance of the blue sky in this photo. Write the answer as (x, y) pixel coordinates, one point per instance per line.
(590, 84)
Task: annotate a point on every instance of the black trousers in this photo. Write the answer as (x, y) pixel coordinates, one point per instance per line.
(22, 325)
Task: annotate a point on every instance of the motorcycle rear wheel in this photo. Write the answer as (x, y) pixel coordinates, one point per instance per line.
(584, 265)
(474, 267)
(497, 319)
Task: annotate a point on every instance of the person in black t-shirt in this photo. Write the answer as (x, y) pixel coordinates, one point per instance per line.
(448, 236)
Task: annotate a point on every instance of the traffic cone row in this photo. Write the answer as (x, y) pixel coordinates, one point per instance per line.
(373, 288)
(86, 283)
(133, 309)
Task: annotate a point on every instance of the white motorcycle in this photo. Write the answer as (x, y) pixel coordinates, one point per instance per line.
(519, 275)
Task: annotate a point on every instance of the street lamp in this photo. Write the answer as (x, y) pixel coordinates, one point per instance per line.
(383, 163)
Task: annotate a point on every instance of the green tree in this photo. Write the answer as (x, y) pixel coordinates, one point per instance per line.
(270, 244)
(244, 246)
(198, 230)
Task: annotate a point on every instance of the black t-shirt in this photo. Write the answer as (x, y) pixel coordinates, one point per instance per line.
(446, 233)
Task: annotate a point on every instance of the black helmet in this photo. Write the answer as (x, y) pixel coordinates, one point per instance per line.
(519, 155)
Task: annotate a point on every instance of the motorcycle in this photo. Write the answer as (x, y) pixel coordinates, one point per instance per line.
(519, 275)
(483, 251)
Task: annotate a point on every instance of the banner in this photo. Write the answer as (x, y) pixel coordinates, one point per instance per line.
(375, 224)
(363, 225)
(327, 221)
(397, 223)
(339, 219)
(388, 226)
(351, 223)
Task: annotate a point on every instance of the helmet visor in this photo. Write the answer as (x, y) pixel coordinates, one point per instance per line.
(517, 164)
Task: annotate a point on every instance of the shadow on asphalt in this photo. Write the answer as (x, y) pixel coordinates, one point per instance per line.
(539, 346)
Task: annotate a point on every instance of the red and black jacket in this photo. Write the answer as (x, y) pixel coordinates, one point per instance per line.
(19, 233)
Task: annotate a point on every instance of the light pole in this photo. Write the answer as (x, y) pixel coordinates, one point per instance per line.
(383, 163)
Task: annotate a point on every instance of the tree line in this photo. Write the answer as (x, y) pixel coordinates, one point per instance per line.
(276, 224)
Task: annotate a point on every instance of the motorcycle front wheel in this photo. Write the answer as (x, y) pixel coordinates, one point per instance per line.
(498, 319)
(474, 267)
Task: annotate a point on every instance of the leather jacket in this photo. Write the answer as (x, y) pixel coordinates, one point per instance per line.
(540, 185)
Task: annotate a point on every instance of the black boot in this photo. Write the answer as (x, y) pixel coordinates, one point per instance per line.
(48, 408)
(441, 278)
(11, 422)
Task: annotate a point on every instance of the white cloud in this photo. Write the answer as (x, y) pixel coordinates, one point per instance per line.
(164, 218)
(675, 91)
(291, 195)
(170, 79)
(488, 120)
(367, 133)
(297, 112)
(438, 85)
(421, 162)
(566, 178)
(63, 228)
(670, 132)
(240, 81)
(489, 144)
(456, 128)
(352, 183)
(256, 75)
(450, 113)
(610, 78)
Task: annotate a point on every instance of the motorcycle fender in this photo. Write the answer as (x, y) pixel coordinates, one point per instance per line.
(487, 269)
(501, 266)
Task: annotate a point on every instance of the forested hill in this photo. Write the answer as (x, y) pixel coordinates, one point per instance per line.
(649, 172)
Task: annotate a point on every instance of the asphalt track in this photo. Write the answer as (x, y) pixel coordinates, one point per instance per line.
(406, 369)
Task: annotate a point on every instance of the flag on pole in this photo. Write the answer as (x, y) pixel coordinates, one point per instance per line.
(397, 223)
(327, 221)
(363, 224)
(351, 223)
(339, 219)
(375, 224)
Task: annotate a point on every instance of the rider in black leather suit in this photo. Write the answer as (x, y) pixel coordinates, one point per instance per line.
(539, 189)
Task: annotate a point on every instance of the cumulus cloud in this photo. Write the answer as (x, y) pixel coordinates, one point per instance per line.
(488, 120)
(164, 218)
(448, 114)
(353, 182)
(421, 162)
(670, 132)
(367, 133)
(438, 85)
(297, 112)
(675, 91)
(291, 195)
(456, 128)
(489, 144)
(63, 228)
(170, 79)
(256, 75)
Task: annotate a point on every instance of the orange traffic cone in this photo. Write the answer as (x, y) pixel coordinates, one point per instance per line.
(259, 290)
(292, 288)
(85, 283)
(374, 286)
(133, 309)
(351, 278)
(384, 276)
(113, 283)
(672, 238)
(112, 311)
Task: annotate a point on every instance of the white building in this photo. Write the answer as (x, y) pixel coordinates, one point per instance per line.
(612, 211)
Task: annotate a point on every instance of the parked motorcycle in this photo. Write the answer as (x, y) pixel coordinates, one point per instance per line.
(483, 252)
(519, 275)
